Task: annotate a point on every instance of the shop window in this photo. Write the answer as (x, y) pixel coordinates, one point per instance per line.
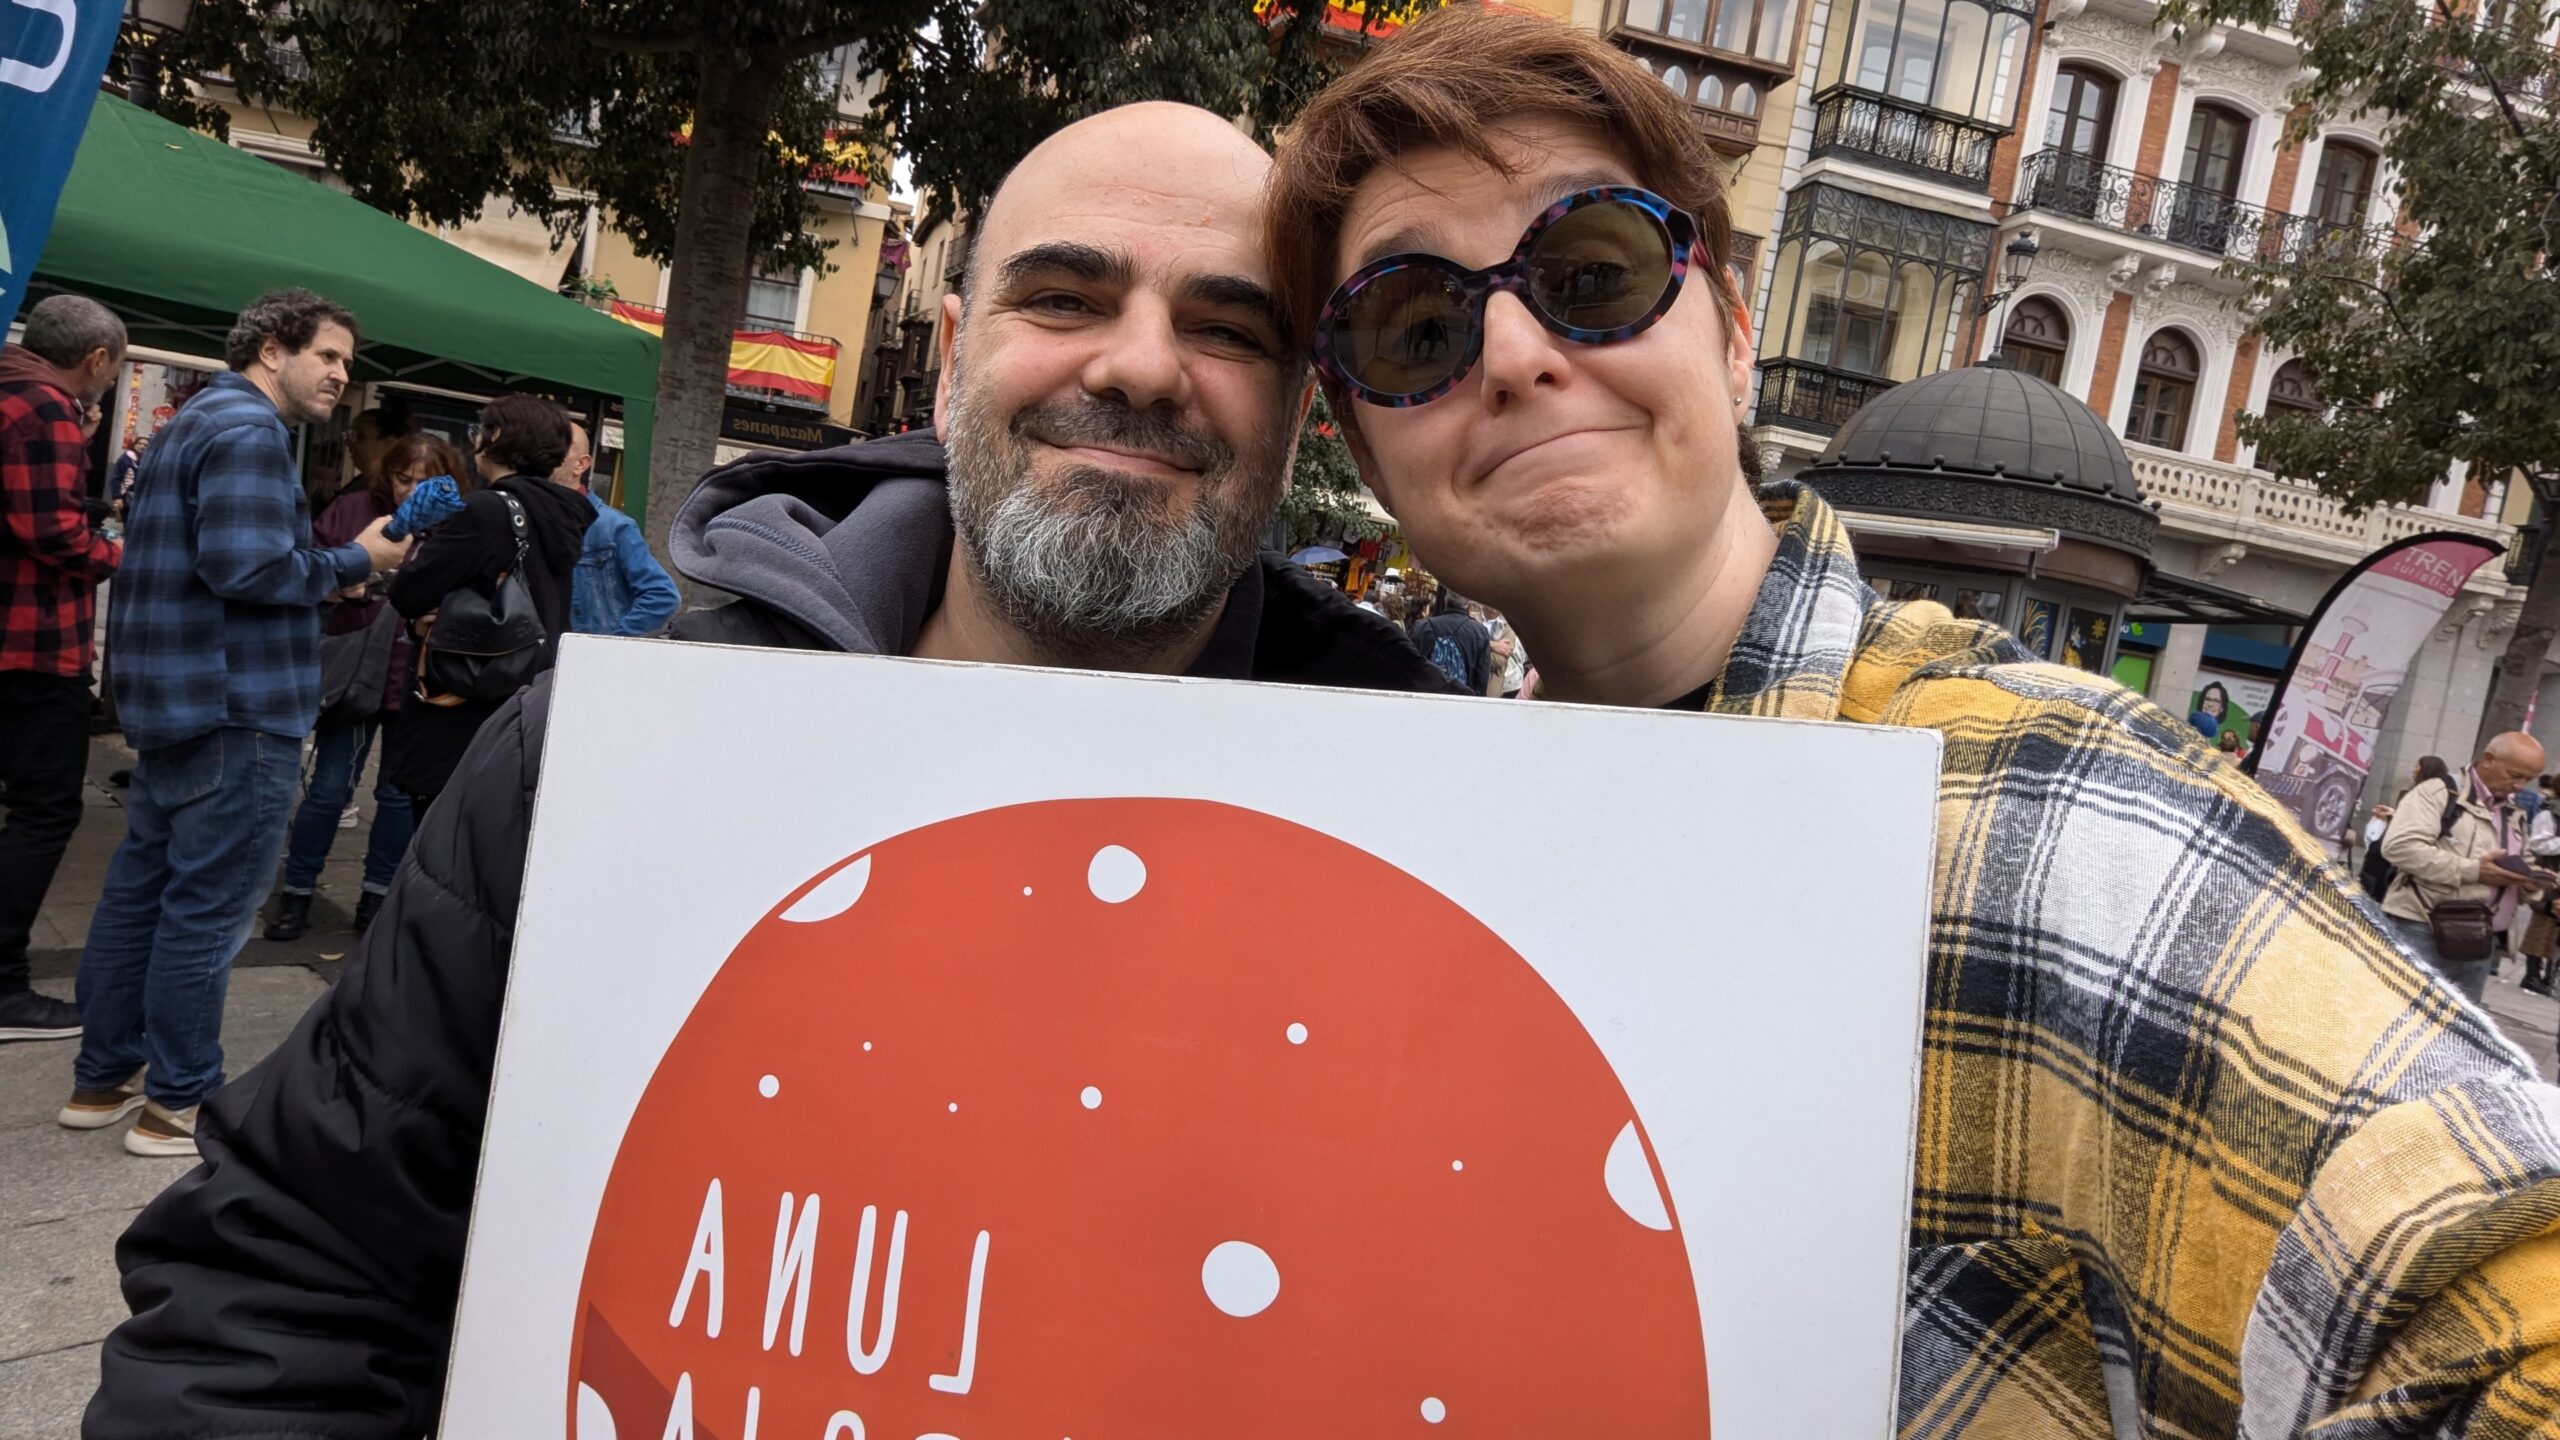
(2343, 191)
(2037, 339)
(2291, 391)
(2084, 640)
(2164, 392)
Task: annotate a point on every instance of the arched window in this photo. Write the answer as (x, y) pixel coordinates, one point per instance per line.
(1711, 90)
(2344, 189)
(2084, 111)
(2038, 337)
(2291, 391)
(1746, 99)
(1676, 80)
(2164, 391)
(2215, 136)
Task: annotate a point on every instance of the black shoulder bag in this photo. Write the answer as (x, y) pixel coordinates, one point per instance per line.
(481, 647)
(2463, 929)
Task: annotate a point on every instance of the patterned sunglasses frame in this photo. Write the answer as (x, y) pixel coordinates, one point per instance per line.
(1476, 287)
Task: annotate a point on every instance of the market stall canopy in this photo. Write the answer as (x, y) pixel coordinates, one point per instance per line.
(177, 232)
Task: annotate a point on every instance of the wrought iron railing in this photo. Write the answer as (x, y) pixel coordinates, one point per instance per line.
(1903, 135)
(1813, 397)
(2130, 203)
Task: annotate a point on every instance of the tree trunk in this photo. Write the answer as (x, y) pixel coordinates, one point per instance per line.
(706, 280)
(2520, 672)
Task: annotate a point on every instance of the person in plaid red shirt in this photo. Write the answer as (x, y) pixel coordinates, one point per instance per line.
(51, 560)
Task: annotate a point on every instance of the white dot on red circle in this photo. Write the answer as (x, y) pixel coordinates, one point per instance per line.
(955, 1107)
(1092, 1097)
(1297, 1033)
(768, 1087)
(1457, 1164)
(1433, 1410)
(1026, 889)
(1240, 1278)
(866, 1044)
(1115, 874)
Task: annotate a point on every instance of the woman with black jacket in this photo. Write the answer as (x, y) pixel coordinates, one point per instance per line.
(519, 441)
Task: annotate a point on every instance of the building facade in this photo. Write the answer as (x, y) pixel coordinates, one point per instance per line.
(1884, 184)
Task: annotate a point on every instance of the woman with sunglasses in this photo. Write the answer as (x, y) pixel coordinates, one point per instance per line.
(2177, 1090)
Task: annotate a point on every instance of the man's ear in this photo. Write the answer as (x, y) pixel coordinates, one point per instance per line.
(950, 326)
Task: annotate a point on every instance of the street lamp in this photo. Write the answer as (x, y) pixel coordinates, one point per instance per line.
(151, 24)
(2017, 262)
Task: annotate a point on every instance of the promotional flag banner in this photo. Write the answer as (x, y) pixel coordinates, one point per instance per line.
(51, 55)
(2346, 671)
(899, 1049)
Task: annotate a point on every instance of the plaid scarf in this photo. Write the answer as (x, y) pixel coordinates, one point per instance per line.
(2201, 1152)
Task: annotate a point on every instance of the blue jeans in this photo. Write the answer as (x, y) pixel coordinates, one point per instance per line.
(337, 759)
(203, 822)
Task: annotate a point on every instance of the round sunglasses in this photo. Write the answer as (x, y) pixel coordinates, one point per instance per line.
(1598, 266)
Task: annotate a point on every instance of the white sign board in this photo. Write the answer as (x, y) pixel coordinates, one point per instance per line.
(910, 1050)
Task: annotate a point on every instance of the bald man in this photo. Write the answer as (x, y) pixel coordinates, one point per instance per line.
(2459, 843)
(1120, 403)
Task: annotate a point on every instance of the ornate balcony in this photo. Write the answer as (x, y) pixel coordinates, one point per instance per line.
(1805, 396)
(1904, 136)
(2129, 203)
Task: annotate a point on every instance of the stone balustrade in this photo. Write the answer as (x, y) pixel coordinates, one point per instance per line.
(2214, 500)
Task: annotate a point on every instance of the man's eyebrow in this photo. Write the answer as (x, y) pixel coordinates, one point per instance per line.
(1235, 292)
(1084, 262)
(1421, 234)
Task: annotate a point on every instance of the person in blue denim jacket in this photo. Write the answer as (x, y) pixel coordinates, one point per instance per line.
(619, 588)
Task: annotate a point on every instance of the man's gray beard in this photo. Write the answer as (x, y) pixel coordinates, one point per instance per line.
(1098, 569)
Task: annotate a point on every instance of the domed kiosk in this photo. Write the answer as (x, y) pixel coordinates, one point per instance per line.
(2003, 497)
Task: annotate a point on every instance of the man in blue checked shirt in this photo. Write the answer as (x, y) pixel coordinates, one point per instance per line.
(619, 588)
(215, 633)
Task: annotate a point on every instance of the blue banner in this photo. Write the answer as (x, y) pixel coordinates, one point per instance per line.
(52, 53)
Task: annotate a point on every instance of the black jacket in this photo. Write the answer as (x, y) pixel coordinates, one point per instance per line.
(301, 1280)
(473, 549)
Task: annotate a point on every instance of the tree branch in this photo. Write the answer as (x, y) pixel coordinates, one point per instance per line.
(2497, 92)
(662, 43)
(808, 45)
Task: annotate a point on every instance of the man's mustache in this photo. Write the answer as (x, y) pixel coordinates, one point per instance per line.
(1099, 422)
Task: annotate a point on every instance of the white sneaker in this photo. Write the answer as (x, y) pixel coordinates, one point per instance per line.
(162, 1131)
(347, 818)
(98, 1109)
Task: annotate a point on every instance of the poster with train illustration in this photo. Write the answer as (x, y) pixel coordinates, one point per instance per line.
(909, 1050)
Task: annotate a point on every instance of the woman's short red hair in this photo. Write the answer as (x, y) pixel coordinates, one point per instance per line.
(1452, 80)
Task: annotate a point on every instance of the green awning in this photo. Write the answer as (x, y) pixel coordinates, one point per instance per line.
(177, 232)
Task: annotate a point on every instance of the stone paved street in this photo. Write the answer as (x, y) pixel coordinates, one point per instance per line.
(65, 1196)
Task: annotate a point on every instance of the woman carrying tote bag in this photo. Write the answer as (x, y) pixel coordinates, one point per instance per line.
(515, 543)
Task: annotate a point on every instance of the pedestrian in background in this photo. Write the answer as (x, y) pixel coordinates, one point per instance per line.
(341, 744)
(51, 560)
(2376, 874)
(619, 588)
(2453, 895)
(216, 637)
(1456, 644)
(517, 520)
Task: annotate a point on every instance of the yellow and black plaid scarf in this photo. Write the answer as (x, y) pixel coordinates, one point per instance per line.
(2201, 1153)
